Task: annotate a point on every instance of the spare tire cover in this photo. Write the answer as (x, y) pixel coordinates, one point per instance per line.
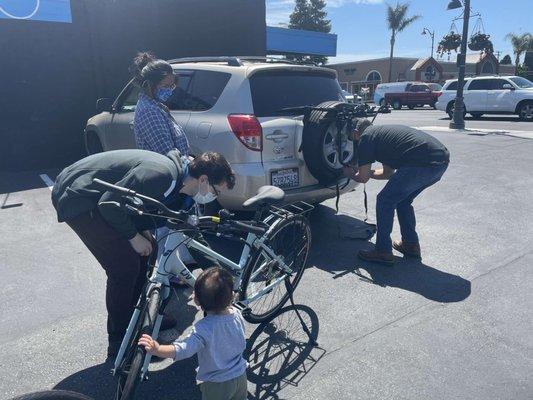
(319, 145)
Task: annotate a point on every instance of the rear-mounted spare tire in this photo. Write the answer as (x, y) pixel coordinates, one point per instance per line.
(319, 144)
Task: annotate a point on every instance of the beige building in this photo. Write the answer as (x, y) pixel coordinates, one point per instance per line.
(353, 76)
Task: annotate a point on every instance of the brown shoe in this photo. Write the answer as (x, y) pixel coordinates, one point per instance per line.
(376, 256)
(408, 249)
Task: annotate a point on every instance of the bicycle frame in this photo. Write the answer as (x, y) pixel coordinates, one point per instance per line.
(169, 264)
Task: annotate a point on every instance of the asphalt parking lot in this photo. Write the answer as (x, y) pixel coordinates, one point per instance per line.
(455, 326)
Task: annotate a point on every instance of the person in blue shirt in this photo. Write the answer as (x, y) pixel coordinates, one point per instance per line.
(218, 339)
(154, 127)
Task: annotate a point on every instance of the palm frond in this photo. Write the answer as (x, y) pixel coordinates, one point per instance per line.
(406, 22)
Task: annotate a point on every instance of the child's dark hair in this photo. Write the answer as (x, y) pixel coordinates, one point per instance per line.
(148, 71)
(215, 166)
(214, 289)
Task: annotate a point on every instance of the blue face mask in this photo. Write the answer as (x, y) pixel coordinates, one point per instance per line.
(164, 93)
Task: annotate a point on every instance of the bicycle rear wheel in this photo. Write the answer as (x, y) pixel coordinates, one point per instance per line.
(129, 374)
(291, 240)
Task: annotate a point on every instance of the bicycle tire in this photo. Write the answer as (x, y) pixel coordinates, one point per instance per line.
(276, 239)
(128, 381)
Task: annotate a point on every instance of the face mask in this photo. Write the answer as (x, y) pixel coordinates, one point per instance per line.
(204, 198)
(164, 93)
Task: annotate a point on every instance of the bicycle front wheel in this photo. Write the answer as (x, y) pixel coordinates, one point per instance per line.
(129, 375)
(291, 240)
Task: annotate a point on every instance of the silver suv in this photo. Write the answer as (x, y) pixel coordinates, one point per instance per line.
(234, 106)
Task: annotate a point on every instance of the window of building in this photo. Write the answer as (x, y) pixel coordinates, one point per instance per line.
(373, 76)
(350, 71)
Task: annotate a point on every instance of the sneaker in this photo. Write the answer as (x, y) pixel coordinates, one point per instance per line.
(376, 256)
(408, 249)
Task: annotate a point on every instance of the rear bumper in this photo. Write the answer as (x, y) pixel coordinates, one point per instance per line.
(250, 177)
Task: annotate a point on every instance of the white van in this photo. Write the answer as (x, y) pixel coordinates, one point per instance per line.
(392, 87)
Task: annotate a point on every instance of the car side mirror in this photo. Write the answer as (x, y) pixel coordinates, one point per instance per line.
(508, 86)
(105, 104)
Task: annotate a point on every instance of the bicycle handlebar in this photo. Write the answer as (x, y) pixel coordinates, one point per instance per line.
(165, 212)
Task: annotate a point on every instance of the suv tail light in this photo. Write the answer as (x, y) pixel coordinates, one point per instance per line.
(439, 93)
(248, 130)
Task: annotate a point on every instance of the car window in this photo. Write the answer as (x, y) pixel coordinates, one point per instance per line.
(274, 90)
(131, 99)
(452, 86)
(203, 90)
(179, 97)
(480, 84)
(522, 83)
(497, 84)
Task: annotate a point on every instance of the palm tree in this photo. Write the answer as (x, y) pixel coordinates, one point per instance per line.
(398, 21)
(520, 44)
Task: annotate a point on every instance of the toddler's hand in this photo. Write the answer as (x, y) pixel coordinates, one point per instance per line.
(150, 345)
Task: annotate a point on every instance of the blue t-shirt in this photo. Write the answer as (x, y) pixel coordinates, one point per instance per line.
(219, 341)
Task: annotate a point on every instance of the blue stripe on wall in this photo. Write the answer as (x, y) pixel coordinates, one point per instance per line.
(36, 10)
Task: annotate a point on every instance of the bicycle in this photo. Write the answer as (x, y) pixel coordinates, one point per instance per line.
(272, 262)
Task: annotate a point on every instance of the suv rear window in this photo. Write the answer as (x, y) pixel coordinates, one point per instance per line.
(275, 90)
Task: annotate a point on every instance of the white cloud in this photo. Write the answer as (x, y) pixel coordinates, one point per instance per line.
(278, 11)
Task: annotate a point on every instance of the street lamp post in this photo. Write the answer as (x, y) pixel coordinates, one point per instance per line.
(432, 34)
(458, 121)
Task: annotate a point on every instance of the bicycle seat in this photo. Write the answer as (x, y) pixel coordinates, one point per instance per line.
(266, 195)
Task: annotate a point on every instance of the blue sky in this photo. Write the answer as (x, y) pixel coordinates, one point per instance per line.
(362, 29)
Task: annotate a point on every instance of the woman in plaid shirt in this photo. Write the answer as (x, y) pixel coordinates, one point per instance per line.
(154, 127)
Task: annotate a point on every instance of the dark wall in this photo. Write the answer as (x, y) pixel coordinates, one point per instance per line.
(52, 73)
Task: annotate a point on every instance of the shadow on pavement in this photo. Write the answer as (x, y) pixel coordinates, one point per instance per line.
(166, 380)
(280, 354)
(338, 256)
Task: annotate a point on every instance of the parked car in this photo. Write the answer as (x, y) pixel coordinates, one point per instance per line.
(352, 98)
(491, 95)
(414, 95)
(233, 106)
(383, 88)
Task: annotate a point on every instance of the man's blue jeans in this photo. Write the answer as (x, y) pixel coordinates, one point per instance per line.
(398, 194)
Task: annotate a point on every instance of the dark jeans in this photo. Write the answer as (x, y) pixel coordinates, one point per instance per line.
(398, 194)
(125, 269)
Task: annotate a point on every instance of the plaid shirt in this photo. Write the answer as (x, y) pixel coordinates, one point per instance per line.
(156, 130)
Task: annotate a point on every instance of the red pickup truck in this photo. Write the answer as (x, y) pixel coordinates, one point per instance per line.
(415, 95)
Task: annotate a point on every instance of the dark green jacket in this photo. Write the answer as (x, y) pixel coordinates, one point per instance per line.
(146, 172)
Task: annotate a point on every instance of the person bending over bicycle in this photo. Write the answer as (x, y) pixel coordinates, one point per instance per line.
(122, 243)
(218, 339)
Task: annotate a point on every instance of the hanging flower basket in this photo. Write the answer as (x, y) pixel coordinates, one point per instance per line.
(449, 42)
(479, 42)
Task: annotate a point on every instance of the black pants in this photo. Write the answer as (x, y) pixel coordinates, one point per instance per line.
(125, 269)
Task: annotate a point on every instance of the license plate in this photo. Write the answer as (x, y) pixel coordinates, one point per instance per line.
(285, 178)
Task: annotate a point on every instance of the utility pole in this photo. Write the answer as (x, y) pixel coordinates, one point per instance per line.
(458, 121)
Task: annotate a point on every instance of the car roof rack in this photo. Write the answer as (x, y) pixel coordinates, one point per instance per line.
(237, 61)
(231, 61)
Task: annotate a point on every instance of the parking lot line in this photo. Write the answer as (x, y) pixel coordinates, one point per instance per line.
(507, 132)
(46, 179)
